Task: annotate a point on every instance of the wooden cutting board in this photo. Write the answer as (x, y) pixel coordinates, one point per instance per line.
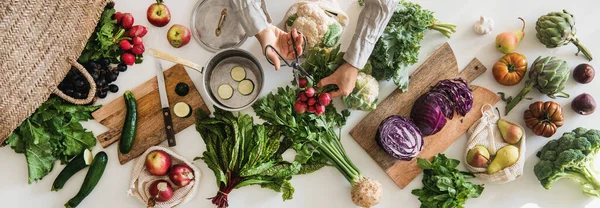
(441, 65)
(151, 127)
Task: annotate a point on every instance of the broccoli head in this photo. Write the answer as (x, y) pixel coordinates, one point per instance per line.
(571, 156)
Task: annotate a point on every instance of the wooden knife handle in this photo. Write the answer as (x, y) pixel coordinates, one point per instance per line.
(169, 127)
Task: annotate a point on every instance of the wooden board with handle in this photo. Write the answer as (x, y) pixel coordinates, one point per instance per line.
(441, 65)
(150, 128)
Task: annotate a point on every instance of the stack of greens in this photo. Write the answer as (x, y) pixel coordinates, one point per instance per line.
(243, 154)
(314, 136)
(398, 47)
(52, 133)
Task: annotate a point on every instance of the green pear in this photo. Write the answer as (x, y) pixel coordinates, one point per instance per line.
(506, 156)
(511, 133)
(478, 156)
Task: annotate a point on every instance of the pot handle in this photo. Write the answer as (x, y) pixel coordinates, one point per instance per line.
(168, 57)
(88, 77)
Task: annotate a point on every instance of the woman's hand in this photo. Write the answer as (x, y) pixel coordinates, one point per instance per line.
(281, 41)
(344, 77)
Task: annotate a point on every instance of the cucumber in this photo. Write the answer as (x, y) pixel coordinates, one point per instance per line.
(238, 73)
(182, 89)
(225, 91)
(91, 179)
(182, 110)
(130, 125)
(78, 163)
(246, 87)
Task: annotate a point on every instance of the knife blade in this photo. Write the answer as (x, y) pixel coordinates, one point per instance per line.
(164, 103)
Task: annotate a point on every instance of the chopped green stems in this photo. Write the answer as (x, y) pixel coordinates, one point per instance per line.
(341, 157)
(582, 49)
(444, 28)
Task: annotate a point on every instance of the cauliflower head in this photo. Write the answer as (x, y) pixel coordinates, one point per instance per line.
(364, 95)
(320, 28)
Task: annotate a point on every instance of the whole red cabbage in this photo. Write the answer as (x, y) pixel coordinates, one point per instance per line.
(427, 114)
(399, 137)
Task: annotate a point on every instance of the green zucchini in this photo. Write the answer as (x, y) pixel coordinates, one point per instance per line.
(91, 179)
(225, 91)
(78, 163)
(182, 110)
(182, 89)
(130, 125)
(238, 73)
(246, 87)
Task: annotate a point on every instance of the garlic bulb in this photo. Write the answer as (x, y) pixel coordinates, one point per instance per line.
(483, 26)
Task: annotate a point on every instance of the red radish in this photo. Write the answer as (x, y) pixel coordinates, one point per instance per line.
(161, 191)
(325, 99)
(310, 92)
(128, 58)
(300, 107)
(181, 175)
(125, 45)
(127, 20)
(136, 31)
(117, 16)
(302, 82)
(311, 109)
(302, 96)
(319, 109)
(137, 40)
(312, 101)
(138, 49)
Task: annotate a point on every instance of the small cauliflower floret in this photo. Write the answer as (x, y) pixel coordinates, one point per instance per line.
(314, 23)
(364, 95)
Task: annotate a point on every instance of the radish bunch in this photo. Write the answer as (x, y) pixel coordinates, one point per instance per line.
(309, 100)
(132, 45)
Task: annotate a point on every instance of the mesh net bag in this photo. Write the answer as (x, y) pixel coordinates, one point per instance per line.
(485, 132)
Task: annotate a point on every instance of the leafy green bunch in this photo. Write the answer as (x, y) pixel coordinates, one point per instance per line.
(444, 186)
(51, 133)
(104, 41)
(399, 45)
(571, 156)
(242, 154)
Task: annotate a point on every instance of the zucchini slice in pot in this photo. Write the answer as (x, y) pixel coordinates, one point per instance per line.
(238, 73)
(91, 179)
(182, 89)
(246, 87)
(225, 91)
(182, 110)
(78, 163)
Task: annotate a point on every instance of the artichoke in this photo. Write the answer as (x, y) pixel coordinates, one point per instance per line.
(548, 75)
(557, 29)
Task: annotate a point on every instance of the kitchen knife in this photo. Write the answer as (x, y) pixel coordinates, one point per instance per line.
(164, 103)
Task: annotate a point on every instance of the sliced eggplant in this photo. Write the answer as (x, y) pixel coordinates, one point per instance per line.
(182, 89)
(225, 91)
(182, 110)
(238, 73)
(246, 87)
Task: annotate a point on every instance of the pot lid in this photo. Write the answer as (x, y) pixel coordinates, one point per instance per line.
(206, 30)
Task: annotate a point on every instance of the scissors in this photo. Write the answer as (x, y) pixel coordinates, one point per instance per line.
(295, 64)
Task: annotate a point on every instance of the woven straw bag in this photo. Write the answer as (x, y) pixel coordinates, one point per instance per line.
(485, 132)
(39, 42)
(141, 180)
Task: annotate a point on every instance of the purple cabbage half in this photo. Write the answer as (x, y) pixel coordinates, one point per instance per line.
(427, 114)
(400, 137)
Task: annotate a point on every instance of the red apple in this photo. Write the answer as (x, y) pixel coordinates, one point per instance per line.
(161, 191)
(158, 14)
(158, 162)
(179, 35)
(181, 175)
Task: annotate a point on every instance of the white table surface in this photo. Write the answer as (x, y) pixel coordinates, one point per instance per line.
(327, 187)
